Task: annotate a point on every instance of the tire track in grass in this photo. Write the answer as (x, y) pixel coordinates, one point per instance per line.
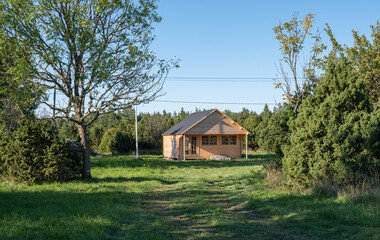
(203, 210)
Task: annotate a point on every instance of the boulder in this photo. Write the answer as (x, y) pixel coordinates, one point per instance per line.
(220, 157)
(74, 146)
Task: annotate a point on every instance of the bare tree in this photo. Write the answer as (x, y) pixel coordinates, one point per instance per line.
(292, 36)
(95, 52)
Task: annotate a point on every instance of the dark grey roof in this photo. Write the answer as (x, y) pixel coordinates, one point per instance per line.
(186, 123)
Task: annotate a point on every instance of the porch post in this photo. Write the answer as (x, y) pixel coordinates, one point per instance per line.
(184, 147)
(246, 146)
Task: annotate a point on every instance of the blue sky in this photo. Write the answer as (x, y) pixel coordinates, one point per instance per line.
(220, 38)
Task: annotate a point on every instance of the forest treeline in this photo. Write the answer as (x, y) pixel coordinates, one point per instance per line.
(115, 132)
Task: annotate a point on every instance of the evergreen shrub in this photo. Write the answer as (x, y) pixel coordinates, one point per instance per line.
(34, 153)
(335, 137)
(273, 131)
(116, 141)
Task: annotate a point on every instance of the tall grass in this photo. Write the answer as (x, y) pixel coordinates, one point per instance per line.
(324, 211)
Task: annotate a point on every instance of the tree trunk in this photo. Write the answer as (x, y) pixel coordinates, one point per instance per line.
(85, 150)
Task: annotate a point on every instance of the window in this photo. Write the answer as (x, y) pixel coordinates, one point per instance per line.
(209, 140)
(232, 140)
(204, 140)
(229, 140)
(212, 140)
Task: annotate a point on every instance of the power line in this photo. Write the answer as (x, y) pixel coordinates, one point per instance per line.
(227, 103)
(220, 79)
(195, 102)
(231, 78)
(228, 79)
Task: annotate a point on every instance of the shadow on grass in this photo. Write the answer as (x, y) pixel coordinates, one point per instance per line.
(199, 211)
(212, 209)
(63, 215)
(208, 213)
(320, 217)
(132, 179)
(128, 162)
(113, 215)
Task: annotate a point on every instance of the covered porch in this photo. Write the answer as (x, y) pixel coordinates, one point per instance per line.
(196, 146)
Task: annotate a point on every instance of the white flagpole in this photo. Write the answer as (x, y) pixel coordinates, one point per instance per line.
(137, 135)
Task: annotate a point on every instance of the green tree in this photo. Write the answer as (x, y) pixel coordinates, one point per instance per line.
(18, 97)
(116, 141)
(96, 53)
(273, 131)
(336, 135)
(122, 143)
(95, 134)
(251, 124)
(108, 137)
(151, 128)
(266, 112)
(364, 56)
(180, 116)
(67, 130)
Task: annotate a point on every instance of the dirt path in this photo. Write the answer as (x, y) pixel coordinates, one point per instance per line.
(206, 211)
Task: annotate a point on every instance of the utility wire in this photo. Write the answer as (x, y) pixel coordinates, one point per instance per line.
(227, 103)
(227, 79)
(195, 102)
(231, 78)
(220, 80)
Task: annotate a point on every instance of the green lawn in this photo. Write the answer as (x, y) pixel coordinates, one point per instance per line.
(159, 199)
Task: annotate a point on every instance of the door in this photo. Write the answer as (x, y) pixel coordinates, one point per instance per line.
(174, 147)
(191, 145)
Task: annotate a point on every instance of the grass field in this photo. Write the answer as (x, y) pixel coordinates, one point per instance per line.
(153, 198)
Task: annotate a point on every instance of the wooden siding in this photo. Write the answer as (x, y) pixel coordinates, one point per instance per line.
(233, 151)
(171, 146)
(202, 151)
(216, 124)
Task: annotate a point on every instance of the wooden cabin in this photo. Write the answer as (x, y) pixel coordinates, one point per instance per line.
(206, 134)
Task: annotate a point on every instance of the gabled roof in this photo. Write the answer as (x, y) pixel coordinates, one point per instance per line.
(194, 120)
(188, 122)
